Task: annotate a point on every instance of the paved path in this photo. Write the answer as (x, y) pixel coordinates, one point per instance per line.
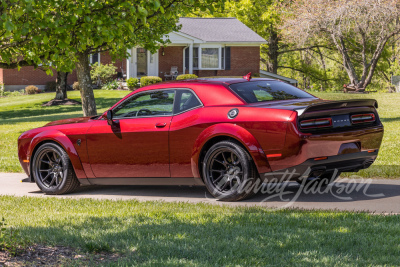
(380, 196)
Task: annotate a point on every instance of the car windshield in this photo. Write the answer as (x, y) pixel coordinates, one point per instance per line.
(260, 91)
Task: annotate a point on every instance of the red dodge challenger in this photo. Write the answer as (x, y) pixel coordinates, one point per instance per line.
(229, 134)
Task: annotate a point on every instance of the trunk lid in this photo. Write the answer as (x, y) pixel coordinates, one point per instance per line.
(318, 115)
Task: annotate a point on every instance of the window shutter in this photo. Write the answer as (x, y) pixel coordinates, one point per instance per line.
(227, 58)
(187, 58)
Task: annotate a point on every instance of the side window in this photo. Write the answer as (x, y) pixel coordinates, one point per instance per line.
(185, 100)
(148, 104)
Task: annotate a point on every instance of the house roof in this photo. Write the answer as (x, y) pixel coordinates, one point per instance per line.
(266, 74)
(227, 30)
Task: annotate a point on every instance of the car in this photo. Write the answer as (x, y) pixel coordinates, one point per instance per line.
(229, 134)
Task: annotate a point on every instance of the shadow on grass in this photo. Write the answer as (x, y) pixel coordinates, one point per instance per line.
(337, 192)
(24, 114)
(245, 237)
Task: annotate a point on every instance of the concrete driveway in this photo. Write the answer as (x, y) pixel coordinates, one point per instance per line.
(380, 196)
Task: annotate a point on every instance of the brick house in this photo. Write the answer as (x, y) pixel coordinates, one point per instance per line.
(203, 46)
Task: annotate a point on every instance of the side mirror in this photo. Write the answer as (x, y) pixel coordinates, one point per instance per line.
(109, 117)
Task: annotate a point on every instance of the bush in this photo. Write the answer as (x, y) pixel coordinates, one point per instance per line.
(103, 72)
(14, 93)
(76, 86)
(132, 83)
(186, 77)
(50, 86)
(113, 85)
(31, 90)
(147, 80)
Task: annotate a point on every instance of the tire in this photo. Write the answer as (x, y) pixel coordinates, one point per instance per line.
(229, 172)
(323, 181)
(53, 171)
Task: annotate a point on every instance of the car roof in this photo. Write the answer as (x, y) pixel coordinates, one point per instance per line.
(215, 96)
(225, 81)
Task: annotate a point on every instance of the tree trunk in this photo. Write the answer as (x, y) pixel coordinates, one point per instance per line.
(85, 84)
(347, 64)
(61, 87)
(273, 51)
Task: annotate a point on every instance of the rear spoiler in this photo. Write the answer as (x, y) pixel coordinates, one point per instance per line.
(342, 104)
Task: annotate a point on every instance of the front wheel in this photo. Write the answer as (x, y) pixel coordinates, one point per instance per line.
(53, 171)
(229, 172)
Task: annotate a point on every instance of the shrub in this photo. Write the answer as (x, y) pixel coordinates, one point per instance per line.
(14, 93)
(76, 86)
(147, 80)
(31, 89)
(103, 72)
(113, 85)
(132, 83)
(50, 86)
(186, 77)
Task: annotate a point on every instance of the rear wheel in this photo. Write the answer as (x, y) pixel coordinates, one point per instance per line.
(229, 173)
(53, 171)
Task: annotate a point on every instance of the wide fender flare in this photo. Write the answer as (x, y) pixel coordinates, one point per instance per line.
(63, 140)
(236, 132)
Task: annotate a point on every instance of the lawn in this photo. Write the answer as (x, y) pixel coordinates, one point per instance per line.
(183, 234)
(21, 113)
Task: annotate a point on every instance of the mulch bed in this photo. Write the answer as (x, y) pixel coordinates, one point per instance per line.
(38, 255)
(66, 101)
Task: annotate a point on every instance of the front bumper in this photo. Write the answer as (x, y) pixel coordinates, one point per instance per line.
(352, 162)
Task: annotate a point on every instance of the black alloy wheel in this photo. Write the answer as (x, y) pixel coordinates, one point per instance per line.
(53, 171)
(229, 172)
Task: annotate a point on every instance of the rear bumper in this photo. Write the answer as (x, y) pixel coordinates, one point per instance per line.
(352, 162)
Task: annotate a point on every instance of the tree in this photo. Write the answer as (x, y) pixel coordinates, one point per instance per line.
(359, 30)
(65, 32)
(15, 49)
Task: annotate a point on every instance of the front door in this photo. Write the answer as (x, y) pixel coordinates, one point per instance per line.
(142, 63)
(141, 57)
(136, 145)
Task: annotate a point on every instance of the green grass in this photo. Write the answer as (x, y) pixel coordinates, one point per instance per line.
(183, 234)
(21, 113)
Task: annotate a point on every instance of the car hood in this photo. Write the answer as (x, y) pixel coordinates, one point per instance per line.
(70, 121)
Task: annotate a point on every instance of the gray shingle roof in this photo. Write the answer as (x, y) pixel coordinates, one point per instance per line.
(219, 30)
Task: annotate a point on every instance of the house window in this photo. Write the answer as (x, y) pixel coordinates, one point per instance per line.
(94, 58)
(210, 58)
(195, 58)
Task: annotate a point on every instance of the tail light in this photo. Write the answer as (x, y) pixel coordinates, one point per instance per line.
(316, 123)
(361, 118)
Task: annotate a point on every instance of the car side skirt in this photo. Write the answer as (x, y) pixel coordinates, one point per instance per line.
(145, 181)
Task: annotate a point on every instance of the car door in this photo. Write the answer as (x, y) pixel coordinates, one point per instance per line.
(136, 145)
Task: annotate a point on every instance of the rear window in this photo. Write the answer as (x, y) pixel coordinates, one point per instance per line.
(260, 91)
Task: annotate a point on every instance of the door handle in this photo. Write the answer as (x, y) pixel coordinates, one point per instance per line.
(161, 125)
